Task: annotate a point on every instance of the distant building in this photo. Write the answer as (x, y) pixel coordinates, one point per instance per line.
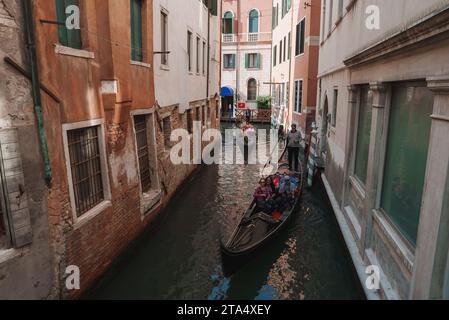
(296, 29)
(384, 124)
(246, 53)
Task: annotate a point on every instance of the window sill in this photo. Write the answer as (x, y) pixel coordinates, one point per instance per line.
(358, 187)
(149, 201)
(401, 247)
(9, 254)
(92, 213)
(67, 51)
(140, 64)
(165, 67)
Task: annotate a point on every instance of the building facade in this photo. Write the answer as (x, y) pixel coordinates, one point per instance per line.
(296, 26)
(107, 131)
(384, 120)
(246, 53)
(26, 265)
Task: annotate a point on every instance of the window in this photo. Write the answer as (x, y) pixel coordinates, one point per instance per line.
(198, 40)
(69, 38)
(189, 121)
(204, 58)
(166, 128)
(285, 48)
(164, 38)
(253, 21)
(274, 55)
(228, 23)
(136, 30)
(189, 49)
(85, 165)
(197, 114)
(323, 20)
(340, 8)
(363, 135)
(140, 126)
(252, 90)
(300, 34)
(280, 52)
(298, 96)
(252, 60)
(289, 45)
(329, 17)
(406, 156)
(203, 115)
(229, 61)
(334, 108)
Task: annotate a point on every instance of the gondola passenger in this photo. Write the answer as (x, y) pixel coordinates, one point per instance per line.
(263, 197)
(287, 191)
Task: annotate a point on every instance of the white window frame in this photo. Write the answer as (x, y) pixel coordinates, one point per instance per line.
(165, 12)
(295, 109)
(106, 203)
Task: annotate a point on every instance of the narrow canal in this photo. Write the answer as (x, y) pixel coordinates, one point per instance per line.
(178, 257)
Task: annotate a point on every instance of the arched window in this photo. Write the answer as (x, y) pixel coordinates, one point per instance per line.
(252, 90)
(254, 21)
(228, 23)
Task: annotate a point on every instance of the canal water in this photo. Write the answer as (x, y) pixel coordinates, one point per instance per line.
(178, 256)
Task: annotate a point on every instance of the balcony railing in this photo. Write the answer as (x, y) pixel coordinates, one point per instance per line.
(247, 37)
(253, 37)
(228, 38)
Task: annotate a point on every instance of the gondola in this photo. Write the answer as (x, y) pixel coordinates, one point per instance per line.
(255, 230)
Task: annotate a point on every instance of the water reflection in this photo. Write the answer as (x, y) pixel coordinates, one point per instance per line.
(178, 258)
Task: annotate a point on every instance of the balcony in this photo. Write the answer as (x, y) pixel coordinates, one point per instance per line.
(247, 37)
(228, 38)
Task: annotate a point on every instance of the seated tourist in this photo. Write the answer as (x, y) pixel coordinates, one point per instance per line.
(263, 196)
(287, 191)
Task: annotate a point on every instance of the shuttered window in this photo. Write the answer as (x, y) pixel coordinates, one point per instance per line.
(228, 23)
(229, 61)
(189, 50)
(300, 34)
(136, 30)
(164, 38)
(363, 135)
(85, 164)
(274, 56)
(406, 156)
(15, 220)
(67, 37)
(140, 126)
(252, 60)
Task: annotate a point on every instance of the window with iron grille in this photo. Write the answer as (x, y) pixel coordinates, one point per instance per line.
(189, 121)
(141, 129)
(85, 164)
(166, 125)
(203, 115)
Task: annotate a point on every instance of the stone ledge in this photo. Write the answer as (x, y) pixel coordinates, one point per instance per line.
(67, 51)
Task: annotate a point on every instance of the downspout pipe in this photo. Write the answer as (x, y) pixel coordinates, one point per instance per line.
(31, 45)
(209, 9)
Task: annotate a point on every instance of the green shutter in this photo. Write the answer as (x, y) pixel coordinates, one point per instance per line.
(136, 30)
(68, 38)
(246, 61)
(214, 7)
(303, 33)
(258, 60)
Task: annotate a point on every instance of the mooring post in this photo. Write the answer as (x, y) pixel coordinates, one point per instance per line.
(312, 155)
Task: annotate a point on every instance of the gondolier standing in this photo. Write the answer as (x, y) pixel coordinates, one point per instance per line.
(293, 144)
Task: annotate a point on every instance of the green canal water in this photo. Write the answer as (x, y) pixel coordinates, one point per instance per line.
(178, 256)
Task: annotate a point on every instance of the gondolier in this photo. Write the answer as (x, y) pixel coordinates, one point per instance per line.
(294, 139)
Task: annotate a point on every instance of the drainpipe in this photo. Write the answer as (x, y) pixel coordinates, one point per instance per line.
(209, 5)
(30, 41)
